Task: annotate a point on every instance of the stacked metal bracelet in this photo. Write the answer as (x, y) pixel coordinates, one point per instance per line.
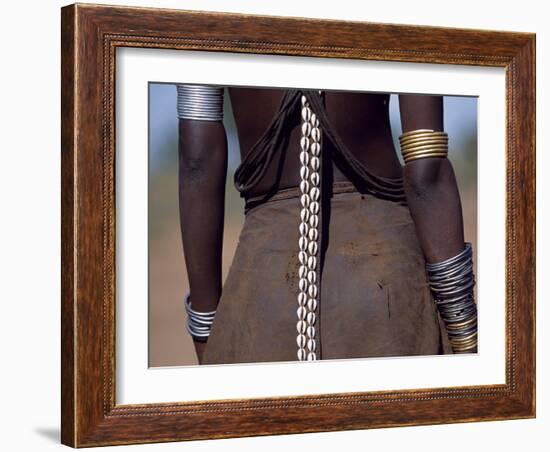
(198, 323)
(200, 102)
(423, 143)
(452, 284)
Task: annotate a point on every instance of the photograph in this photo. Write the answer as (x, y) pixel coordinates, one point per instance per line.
(275, 226)
(291, 224)
(279, 225)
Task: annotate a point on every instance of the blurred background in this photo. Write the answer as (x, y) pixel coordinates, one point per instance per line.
(169, 342)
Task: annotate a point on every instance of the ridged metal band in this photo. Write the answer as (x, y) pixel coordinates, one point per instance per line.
(452, 284)
(200, 102)
(199, 323)
(423, 143)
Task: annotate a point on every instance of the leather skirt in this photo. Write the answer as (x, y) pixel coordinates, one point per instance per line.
(374, 299)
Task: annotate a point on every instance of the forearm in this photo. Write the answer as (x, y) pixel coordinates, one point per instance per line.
(202, 176)
(434, 202)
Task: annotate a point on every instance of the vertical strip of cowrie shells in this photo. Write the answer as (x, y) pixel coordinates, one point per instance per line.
(310, 151)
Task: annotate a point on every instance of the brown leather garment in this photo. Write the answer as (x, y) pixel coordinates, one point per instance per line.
(374, 297)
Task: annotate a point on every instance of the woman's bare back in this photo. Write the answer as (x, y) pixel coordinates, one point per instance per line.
(361, 120)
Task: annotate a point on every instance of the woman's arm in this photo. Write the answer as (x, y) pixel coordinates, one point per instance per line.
(202, 178)
(430, 184)
(434, 203)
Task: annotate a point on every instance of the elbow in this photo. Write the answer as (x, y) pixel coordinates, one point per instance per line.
(193, 168)
(202, 166)
(202, 150)
(423, 177)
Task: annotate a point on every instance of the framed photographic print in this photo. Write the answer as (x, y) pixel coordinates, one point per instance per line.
(281, 225)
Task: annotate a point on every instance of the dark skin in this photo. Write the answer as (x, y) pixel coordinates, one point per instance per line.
(362, 121)
(202, 173)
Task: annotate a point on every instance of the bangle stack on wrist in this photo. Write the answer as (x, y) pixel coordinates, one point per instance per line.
(198, 323)
(452, 285)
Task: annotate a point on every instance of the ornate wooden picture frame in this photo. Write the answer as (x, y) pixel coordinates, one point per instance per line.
(90, 37)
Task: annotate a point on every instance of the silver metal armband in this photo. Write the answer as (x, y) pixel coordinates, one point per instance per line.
(200, 102)
(198, 323)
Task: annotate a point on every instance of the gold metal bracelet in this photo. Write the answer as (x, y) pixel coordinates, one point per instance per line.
(424, 149)
(465, 348)
(431, 136)
(461, 325)
(423, 143)
(464, 340)
(426, 155)
(420, 150)
(415, 132)
(423, 136)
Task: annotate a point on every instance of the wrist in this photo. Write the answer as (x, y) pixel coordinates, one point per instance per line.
(452, 284)
(199, 322)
